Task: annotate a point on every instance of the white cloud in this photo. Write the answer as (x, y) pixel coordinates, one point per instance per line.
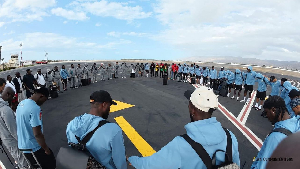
(65, 22)
(117, 10)
(68, 14)
(1, 24)
(25, 10)
(232, 28)
(52, 42)
(98, 24)
(9, 33)
(118, 34)
(114, 34)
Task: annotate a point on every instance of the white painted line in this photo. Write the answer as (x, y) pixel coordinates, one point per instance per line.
(2, 166)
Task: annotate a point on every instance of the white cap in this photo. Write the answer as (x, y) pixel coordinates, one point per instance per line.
(203, 98)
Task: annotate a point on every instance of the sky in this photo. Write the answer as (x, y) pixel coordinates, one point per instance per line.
(150, 29)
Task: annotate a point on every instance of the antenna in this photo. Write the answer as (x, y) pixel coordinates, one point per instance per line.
(46, 54)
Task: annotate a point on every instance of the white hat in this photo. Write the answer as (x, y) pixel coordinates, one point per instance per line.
(203, 98)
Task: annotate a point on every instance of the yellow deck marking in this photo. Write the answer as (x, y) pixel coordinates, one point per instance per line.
(119, 106)
(143, 147)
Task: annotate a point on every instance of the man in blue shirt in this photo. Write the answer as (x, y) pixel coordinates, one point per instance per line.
(213, 78)
(261, 91)
(30, 130)
(277, 114)
(230, 79)
(203, 129)
(249, 78)
(238, 82)
(222, 74)
(275, 85)
(64, 76)
(107, 143)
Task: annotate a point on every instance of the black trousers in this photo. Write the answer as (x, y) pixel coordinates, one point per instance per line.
(152, 72)
(46, 161)
(161, 73)
(212, 82)
(156, 73)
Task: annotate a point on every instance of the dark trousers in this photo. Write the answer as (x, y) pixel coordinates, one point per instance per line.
(156, 73)
(46, 161)
(205, 80)
(152, 72)
(212, 83)
(28, 94)
(161, 73)
(175, 73)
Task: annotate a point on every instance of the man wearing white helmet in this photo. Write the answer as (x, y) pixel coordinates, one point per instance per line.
(205, 137)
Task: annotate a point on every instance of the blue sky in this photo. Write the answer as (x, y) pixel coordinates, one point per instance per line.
(157, 29)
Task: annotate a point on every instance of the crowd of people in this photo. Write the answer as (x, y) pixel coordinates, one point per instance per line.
(21, 127)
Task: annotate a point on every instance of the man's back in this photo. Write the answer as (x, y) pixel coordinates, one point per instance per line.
(8, 127)
(106, 145)
(28, 79)
(179, 154)
(28, 115)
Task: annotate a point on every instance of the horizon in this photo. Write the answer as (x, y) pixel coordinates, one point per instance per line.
(161, 29)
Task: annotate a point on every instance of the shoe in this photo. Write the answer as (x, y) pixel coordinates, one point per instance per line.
(76, 87)
(232, 97)
(228, 94)
(242, 101)
(95, 81)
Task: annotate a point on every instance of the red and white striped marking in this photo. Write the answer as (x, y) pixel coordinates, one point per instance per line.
(257, 142)
(243, 116)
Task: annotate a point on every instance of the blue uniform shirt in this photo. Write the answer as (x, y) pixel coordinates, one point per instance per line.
(272, 141)
(106, 145)
(179, 154)
(275, 87)
(230, 77)
(192, 70)
(213, 74)
(28, 115)
(197, 71)
(250, 77)
(222, 74)
(64, 74)
(238, 77)
(180, 69)
(262, 82)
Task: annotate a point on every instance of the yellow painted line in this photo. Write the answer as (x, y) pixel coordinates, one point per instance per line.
(142, 146)
(120, 106)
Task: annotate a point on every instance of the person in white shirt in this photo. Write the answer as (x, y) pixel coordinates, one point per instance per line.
(9, 83)
(40, 78)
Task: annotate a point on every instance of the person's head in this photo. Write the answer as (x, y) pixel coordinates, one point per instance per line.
(116, 63)
(8, 78)
(212, 67)
(192, 65)
(40, 96)
(273, 79)
(222, 68)
(49, 71)
(2, 84)
(294, 94)
(78, 65)
(72, 66)
(100, 103)
(249, 68)
(95, 64)
(8, 94)
(39, 71)
(275, 109)
(202, 103)
(55, 68)
(295, 105)
(63, 66)
(283, 80)
(28, 71)
(18, 74)
(288, 147)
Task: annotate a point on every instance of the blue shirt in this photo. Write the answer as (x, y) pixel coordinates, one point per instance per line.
(238, 77)
(198, 72)
(192, 70)
(230, 77)
(272, 141)
(213, 74)
(222, 74)
(179, 154)
(147, 67)
(275, 88)
(28, 115)
(64, 74)
(106, 145)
